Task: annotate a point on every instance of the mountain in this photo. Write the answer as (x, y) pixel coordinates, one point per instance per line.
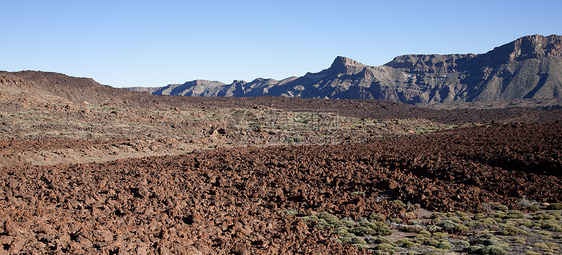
(529, 67)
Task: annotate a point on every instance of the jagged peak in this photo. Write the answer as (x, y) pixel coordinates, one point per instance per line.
(531, 46)
(345, 65)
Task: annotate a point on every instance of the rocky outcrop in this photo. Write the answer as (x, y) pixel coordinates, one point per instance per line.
(529, 67)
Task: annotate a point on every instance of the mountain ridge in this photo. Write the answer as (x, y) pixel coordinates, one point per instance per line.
(528, 67)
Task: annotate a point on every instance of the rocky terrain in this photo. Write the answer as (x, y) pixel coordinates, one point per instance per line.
(90, 169)
(527, 68)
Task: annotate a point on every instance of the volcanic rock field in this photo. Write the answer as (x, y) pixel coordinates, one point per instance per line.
(144, 174)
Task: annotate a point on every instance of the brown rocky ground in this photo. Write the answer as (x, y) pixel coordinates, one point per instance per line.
(231, 200)
(88, 169)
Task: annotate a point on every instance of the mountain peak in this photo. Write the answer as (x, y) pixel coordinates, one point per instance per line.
(345, 65)
(531, 46)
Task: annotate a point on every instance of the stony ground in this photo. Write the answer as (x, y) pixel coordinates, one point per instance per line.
(255, 199)
(138, 174)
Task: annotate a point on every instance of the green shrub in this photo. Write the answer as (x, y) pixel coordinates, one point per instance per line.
(424, 233)
(358, 193)
(458, 221)
(444, 245)
(552, 246)
(310, 218)
(557, 214)
(357, 240)
(542, 246)
(485, 223)
(398, 202)
(525, 222)
(501, 208)
(534, 208)
(519, 240)
(513, 231)
(384, 247)
(514, 215)
(479, 216)
(465, 218)
(345, 239)
(555, 206)
(448, 225)
(491, 241)
(380, 228)
(498, 215)
(329, 218)
(406, 243)
(412, 228)
(377, 217)
(380, 239)
(492, 250)
(362, 231)
(348, 223)
(460, 214)
(544, 216)
(341, 230)
(377, 252)
(440, 235)
(431, 242)
(551, 225)
(433, 228)
(461, 229)
(473, 248)
(290, 212)
(463, 243)
(321, 224)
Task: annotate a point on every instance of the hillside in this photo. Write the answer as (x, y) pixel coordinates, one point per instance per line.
(35, 89)
(527, 68)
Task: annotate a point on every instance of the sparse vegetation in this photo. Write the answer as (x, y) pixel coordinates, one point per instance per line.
(555, 206)
(219, 179)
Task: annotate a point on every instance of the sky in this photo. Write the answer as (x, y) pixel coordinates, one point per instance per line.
(125, 43)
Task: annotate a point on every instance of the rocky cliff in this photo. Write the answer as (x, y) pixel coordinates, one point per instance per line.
(529, 67)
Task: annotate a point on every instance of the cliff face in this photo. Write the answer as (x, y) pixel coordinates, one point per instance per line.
(529, 67)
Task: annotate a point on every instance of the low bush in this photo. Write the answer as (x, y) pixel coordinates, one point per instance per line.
(398, 202)
(362, 231)
(479, 216)
(385, 247)
(341, 230)
(492, 250)
(329, 218)
(534, 208)
(551, 225)
(377, 217)
(357, 240)
(346, 238)
(555, 206)
(444, 245)
(514, 215)
(380, 239)
(439, 235)
(406, 243)
(513, 231)
(501, 208)
(431, 242)
(544, 216)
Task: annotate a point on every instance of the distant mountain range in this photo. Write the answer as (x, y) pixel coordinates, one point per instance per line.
(529, 67)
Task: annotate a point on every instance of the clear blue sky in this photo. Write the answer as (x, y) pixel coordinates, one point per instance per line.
(155, 43)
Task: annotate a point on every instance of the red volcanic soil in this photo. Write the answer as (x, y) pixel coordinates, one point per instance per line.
(231, 201)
